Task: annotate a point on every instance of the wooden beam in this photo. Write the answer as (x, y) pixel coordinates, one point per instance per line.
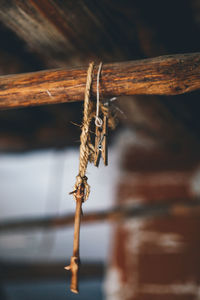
(25, 271)
(166, 75)
(182, 208)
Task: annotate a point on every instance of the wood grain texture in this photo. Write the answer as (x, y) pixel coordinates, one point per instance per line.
(67, 33)
(166, 75)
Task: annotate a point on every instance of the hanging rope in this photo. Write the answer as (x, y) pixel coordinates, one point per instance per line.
(87, 153)
(82, 188)
(86, 148)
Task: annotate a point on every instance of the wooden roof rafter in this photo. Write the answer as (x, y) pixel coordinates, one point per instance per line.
(165, 75)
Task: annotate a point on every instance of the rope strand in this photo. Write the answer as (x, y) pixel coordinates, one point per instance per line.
(85, 148)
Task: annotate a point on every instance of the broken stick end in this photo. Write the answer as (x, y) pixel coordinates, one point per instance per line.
(74, 291)
(74, 268)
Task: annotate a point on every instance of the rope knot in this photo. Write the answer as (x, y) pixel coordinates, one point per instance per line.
(82, 181)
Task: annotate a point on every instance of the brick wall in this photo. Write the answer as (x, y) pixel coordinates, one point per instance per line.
(155, 258)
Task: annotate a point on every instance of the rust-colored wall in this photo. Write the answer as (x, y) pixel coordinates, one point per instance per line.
(155, 258)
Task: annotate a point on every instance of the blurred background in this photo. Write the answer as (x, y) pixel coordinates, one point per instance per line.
(143, 241)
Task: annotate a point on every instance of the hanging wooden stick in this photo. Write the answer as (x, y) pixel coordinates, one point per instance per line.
(75, 259)
(81, 189)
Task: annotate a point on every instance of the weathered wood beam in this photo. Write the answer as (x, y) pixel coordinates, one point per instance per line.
(166, 75)
(22, 271)
(182, 208)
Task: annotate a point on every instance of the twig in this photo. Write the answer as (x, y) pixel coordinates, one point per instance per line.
(75, 259)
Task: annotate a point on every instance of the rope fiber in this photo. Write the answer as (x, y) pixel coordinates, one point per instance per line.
(86, 149)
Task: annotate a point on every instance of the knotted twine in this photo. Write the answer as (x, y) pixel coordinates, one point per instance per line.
(86, 148)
